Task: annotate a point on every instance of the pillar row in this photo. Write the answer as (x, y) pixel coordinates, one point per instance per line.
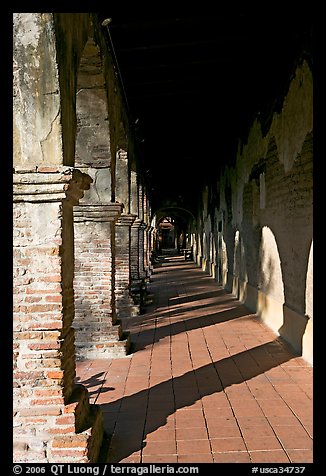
(53, 420)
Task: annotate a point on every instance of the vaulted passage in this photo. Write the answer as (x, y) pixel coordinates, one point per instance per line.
(162, 237)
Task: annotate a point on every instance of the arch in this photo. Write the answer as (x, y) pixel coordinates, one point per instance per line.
(236, 259)
(167, 233)
(309, 284)
(236, 264)
(240, 276)
(177, 212)
(224, 261)
(289, 202)
(183, 222)
(94, 245)
(206, 244)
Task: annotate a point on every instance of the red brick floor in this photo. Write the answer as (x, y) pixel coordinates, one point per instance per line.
(207, 381)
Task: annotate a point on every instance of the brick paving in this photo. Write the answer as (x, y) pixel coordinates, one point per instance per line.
(206, 382)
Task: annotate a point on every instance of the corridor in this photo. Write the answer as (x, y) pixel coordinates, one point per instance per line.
(133, 133)
(205, 380)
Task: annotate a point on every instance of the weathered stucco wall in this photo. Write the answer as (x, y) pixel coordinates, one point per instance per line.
(47, 50)
(37, 109)
(266, 209)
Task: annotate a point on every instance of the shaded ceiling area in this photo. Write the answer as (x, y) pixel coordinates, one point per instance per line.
(194, 83)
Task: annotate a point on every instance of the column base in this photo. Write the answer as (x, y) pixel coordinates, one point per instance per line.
(138, 292)
(76, 435)
(84, 445)
(101, 343)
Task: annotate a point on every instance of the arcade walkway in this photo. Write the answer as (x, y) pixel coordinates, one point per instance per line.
(206, 381)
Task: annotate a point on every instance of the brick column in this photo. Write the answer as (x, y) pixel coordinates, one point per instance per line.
(125, 306)
(53, 421)
(97, 332)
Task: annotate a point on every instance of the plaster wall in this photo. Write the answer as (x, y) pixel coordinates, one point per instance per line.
(36, 97)
(266, 209)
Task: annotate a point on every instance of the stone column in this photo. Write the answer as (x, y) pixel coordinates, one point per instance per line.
(125, 305)
(53, 421)
(97, 332)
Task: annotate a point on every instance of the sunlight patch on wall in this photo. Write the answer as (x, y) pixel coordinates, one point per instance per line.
(270, 281)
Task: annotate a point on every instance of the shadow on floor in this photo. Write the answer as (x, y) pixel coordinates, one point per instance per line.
(136, 419)
(199, 320)
(95, 384)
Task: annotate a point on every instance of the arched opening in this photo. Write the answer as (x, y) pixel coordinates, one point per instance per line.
(95, 217)
(307, 340)
(174, 227)
(270, 281)
(240, 276)
(167, 234)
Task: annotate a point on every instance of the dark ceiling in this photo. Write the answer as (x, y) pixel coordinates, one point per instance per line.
(194, 83)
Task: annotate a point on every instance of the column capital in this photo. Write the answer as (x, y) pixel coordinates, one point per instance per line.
(50, 184)
(126, 219)
(137, 222)
(102, 212)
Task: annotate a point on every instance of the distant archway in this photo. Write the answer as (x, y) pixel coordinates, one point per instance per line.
(176, 212)
(173, 225)
(166, 233)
